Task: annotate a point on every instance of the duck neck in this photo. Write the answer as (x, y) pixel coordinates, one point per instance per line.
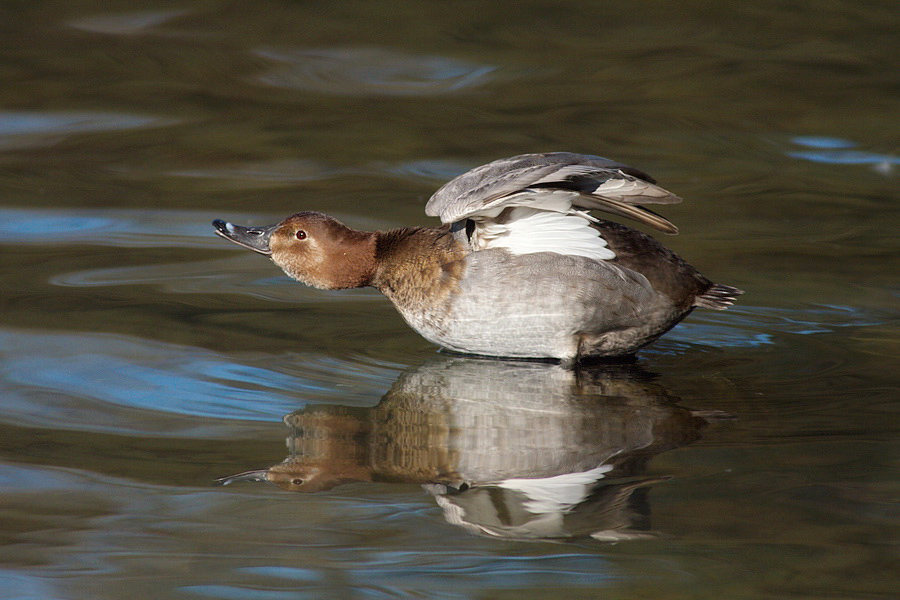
(355, 266)
(417, 266)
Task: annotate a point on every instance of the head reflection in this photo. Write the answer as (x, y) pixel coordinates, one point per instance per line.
(517, 450)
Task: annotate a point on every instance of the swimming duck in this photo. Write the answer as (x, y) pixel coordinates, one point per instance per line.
(519, 268)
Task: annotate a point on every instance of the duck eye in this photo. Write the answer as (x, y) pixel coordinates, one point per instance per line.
(297, 481)
(301, 235)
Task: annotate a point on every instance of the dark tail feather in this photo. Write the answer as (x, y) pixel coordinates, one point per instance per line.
(718, 296)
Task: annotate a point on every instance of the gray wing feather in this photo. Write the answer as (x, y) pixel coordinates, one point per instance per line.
(600, 183)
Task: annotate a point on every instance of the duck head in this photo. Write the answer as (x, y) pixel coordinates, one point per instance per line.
(312, 248)
(295, 476)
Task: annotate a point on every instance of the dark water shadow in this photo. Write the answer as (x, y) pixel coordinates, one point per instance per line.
(514, 450)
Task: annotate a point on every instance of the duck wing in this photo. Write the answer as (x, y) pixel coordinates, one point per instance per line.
(586, 182)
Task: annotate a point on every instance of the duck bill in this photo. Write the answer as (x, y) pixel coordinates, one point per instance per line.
(245, 476)
(253, 238)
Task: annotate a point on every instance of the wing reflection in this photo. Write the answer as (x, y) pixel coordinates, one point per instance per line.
(517, 450)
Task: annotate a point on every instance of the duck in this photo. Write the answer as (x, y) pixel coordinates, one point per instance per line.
(519, 268)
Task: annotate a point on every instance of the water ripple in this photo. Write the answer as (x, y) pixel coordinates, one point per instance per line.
(370, 71)
(469, 572)
(753, 326)
(84, 381)
(272, 173)
(242, 273)
(229, 592)
(123, 227)
(22, 129)
(131, 228)
(839, 152)
(125, 23)
(437, 170)
(120, 532)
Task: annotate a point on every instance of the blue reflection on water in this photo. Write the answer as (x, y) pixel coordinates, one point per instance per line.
(812, 141)
(173, 384)
(159, 377)
(846, 157)
(40, 123)
(24, 225)
(21, 585)
(128, 228)
(753, 326)
(229, 592)
(125, 228)
(836, 151)
(292, 573)
(450, 574)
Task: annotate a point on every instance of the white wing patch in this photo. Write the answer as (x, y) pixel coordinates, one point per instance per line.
(558, 493)
(540, 222)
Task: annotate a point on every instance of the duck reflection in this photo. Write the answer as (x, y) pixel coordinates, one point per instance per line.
(517, 450)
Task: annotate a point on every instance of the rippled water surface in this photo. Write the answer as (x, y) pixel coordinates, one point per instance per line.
(179, 420)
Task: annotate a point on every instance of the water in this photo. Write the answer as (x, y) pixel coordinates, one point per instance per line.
(747, 454)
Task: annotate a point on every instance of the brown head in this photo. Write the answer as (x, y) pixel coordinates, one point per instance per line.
(311, 247)
(308, 477)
